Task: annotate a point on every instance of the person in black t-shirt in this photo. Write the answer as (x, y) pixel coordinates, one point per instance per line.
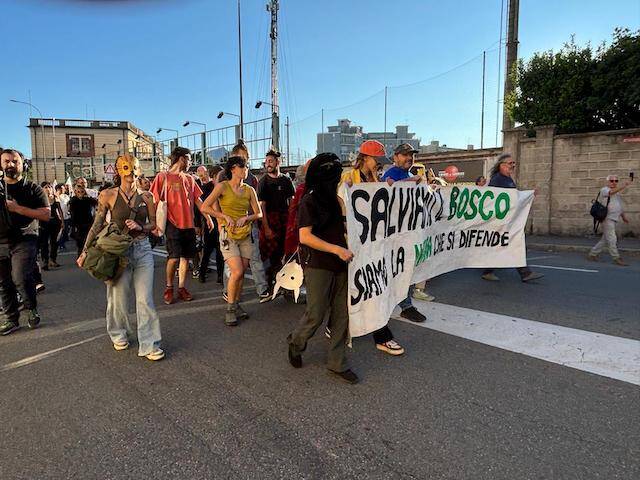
(81, 209)
(324, 255)
(48, 235)
(274, 193)
(22, 204)
(210, 238)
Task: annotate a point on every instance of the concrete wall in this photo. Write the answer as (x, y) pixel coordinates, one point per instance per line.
(569, 170)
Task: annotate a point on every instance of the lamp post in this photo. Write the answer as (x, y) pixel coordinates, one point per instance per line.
(44, 153)
(170, 130)
(203, 140)
(239, 133)
(275, 123)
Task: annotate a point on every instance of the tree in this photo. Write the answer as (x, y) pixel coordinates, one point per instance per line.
(578, 91)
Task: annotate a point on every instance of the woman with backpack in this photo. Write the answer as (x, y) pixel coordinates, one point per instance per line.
(133, 212)
(233, 202)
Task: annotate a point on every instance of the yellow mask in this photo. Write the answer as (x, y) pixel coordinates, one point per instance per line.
(126, 165)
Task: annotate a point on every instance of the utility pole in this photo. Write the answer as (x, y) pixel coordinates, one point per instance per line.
(288, 150)
(273, 7)
(484, 55)
(384, 131)
(322, 129)
(512, 57)
(240, 71)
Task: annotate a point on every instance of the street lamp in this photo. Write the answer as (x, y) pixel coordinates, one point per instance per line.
(44, 153)
(169, 129)
(186, 124)
(260, 102)
(220, 114)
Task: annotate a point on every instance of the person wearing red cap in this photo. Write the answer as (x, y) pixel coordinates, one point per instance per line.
(366, 168)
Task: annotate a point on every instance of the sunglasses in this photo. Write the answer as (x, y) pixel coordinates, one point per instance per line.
(614, 181)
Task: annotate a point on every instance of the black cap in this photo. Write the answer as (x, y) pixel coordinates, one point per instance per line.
(404, 148)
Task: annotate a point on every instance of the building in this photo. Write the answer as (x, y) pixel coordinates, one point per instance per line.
(435, 147)
(344, 139)
(75, 148)
(391, 140)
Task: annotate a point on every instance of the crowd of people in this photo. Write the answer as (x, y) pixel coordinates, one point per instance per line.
(216, 210)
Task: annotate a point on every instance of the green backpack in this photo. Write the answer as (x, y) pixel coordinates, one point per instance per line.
(106, 257)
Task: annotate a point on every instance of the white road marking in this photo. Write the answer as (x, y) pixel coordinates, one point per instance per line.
(570, 269)
(42, 356)
(539, 258)
(99, 322)
(605, 355)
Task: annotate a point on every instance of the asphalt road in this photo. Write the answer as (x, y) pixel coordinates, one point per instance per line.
(226, 404)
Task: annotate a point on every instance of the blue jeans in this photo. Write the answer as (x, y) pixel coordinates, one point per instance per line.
(140, 272)
(406, 303)
(255, 262)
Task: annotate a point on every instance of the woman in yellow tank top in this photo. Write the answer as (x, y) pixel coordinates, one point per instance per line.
(232, 203)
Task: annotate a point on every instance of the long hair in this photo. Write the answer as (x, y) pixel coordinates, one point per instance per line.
(232, 162)
(501, 159)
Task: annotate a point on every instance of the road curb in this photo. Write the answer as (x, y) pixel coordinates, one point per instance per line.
(554, 247)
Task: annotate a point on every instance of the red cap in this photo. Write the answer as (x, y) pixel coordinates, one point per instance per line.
(373, 148)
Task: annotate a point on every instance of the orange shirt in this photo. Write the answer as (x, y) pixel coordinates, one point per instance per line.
(181, 195)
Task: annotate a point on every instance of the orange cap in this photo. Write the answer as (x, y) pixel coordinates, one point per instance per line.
(373, 148)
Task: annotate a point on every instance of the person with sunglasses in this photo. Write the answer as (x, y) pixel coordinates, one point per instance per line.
(502, 176)
(610, 196)
(235, 205)
(134, 212)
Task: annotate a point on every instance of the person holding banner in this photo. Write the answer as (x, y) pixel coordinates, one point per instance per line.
(366, 168)
(403, 161)
(324, 256)
(502, 176)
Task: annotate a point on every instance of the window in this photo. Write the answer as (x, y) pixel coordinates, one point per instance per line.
(80, 145)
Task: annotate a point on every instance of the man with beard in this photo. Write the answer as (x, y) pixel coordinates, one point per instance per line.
(324, 256)
(402, 163)
(22, 204)
(274, 193)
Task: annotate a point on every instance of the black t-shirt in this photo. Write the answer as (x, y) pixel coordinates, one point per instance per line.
(81, 210)
(334, 233)
(26, 194)
(276, 192)
(206, 188)
(499, 180)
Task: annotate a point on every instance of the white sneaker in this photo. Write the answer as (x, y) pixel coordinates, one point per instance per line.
(119, 346)
(420, 294)
(391, 347)
(157, 354)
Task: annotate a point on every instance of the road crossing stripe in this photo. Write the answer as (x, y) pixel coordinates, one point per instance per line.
(571, 269)
(605, 355)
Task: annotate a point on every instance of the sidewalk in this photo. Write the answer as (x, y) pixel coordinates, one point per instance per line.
(626, 246)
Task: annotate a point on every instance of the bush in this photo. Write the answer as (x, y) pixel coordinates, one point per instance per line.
(579, 90)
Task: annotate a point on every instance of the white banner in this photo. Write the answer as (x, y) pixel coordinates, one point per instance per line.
(407, 233)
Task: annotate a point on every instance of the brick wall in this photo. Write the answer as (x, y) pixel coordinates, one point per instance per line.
(569, 170)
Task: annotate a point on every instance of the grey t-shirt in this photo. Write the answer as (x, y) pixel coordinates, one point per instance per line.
(615, 208)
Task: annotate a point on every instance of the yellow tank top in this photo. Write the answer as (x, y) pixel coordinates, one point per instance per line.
(236, 206)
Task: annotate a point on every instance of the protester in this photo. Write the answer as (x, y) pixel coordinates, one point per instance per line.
(610, 196)
(48, 233)
(324, 257)
(134, 213)
(235, 205)
(292, 237)
(502, 176)
(210, 238)
(81, 208)
(366, 169)
(91, 192)
(22, 205)
(403, 156)
(481, 181)
(257, 267)
(181, 192)
(143, 183)
(275, 191)
(63, 198)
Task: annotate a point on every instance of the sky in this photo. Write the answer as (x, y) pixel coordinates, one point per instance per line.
(157, 63)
